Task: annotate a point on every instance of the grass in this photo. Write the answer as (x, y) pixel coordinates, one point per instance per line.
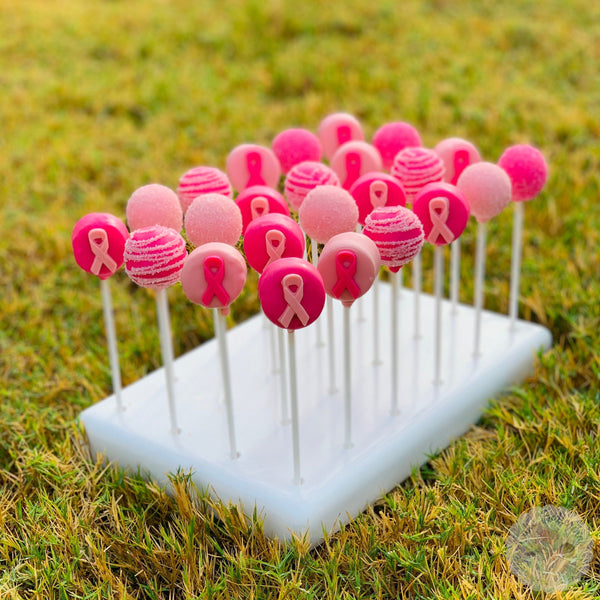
(101, 97)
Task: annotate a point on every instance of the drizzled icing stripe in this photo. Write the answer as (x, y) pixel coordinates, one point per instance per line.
(300, 182)
(416, 167)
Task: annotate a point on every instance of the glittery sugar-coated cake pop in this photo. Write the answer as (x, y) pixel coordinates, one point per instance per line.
(260, 200)
(202, 180)
(213, 218)
(337, 129)
(390, 138)
(251, 164)
(415, 168)
(154, 204)
(293, 146)
(457, 155)
(372, 190)
(354, 159)
(303, 178)
(527, 169)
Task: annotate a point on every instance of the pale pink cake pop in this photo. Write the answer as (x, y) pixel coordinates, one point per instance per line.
(349, 264)
(213, 218)
(372, 190)
(98, 241)
(202, 180)
(260, 200)
(390, 138)
(354, 159)
(154, 204)
(457, 155)
(251, 164)
(293, 146)
(527, 169)
(487, 188)
(415, 168)
(397, 233)
(303, 178)
(154, 256)
(337, 129)
(326, 211)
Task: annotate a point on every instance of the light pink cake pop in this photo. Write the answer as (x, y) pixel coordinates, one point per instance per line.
(291, 293)
(397, 233)
(270, 238)
(349, 264)
(303, 178)
(337, 129)
(326, 211)
(260, 200)
(373, 190)
(457, 155)
(213, 218)
(154, 204)
(202, 180)
(154, 256)
(354, 159)
(214, 275)
(443, 211)
(251, 164)
(527, 170)
(487, 188)
(415, 168)
(294, 146)
(98, 241)
(390, 138)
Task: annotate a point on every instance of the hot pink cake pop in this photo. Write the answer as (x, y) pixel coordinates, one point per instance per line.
(349, 264)
(213, 218)
(270, 238)
(99, 243)
(294, 146)
(202, 180)
(326, 211)
(457, 155)
(260, 200)
(415, 168)
(373, 190)
(337, 129)
(154, 256)
(214, 275)
(527, 170)
(354, 159)
(397, 233)
(291, 293)
(305, 177)
(487, 188)
(443, 211)
(250, 164)
(390, 138)
(154, 204)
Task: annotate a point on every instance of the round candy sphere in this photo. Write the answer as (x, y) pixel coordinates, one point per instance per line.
(349, 264)
(326, 211)
(154, 204)
(373, 190)
(415, 168)
(202, 180)
(270, 238)
(294, 146)
(443, 211)
(154, 256)
(260, 200)
(354, 159)
(98, 241)
(457, 155)
(390, 138)
(397, 233)
(291, 293)
(250, 164)
(337, 129)
(213, 218)
(527, 170)
(214, 275)
(305, 177)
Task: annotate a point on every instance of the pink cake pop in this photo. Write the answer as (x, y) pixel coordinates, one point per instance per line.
(294, 146)
(390, 138)
(372, 190)
(213, 218)
(415, 168)
(354, 159)
(270, 238)
(457, 155)
(202, 180)
(303, 178)
(260, 200)
(154, 204)
(337, 129)
(250, 164)
(527, 170)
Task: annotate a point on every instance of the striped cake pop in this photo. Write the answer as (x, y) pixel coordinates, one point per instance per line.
(303, 178)
(416, 167)
(202, 180)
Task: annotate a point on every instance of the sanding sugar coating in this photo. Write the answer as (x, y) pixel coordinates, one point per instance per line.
(154, 204)
(326, 211)
(338, 129)
(154, 256)
(415, 168)
(303, 178)
(354, 159)
(457, 155)
(213, 218)
(527, 169)
(260, 200)
(390, 138)
(251, 164)
(202, 180)
(98, 241)
(293, 146)
(397, 233)
(372, 190)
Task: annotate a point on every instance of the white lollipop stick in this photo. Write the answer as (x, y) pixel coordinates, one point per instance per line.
(479, 277)
(438, 284)
(376, 356)
(417, 287)
(285, 416)
(331, 348)
(315, 259)
(394, 319)
(111, 340)
(454, 273)
(400, 277)
(294, 404)
(347, 381)
(515, 266)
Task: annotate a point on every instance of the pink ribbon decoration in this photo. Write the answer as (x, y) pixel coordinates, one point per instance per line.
(461, 162)
(214, 273)
(345, 269)
(98, 239)
(353, 164)
(439, 209)
(254, 164)
(344, 134)
(275, 244)
(259, 206)
(378, 192)
(293, 298)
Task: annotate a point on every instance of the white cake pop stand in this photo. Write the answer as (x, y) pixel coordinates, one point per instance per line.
(337, 483)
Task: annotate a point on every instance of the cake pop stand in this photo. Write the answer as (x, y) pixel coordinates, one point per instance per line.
(337, 483)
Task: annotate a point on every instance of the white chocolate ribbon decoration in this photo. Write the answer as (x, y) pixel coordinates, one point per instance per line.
(378, 192)
(259, 206)
(293, 299)
(439, 209)
(98, 239)
(275, 244)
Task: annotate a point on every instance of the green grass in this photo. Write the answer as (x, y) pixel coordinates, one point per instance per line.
(100, 97)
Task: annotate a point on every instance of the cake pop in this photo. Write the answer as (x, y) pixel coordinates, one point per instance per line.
(354, 159)
(154, 204)
(390, 138)
(337, 129)
(294, 146)
(457, 155)
(202, 180)
(415, 168)
(213, 218)
(303, 178)
(372, 190)
(260, 200)
(250, 164)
